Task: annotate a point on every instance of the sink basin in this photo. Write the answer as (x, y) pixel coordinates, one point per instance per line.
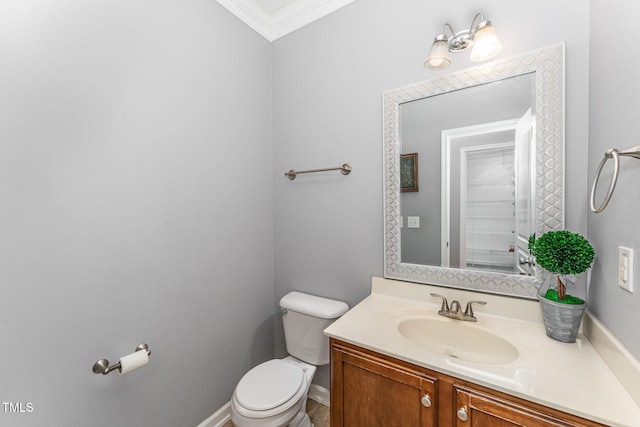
(458, 339)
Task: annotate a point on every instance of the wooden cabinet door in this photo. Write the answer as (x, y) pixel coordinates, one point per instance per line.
(477, 409)
(372, 392)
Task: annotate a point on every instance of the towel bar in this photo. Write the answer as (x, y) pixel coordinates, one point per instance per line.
(345, 168)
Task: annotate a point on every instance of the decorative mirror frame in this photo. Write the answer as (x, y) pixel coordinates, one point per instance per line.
(548, 65)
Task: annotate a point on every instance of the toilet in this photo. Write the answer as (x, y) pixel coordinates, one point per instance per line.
(274, 393)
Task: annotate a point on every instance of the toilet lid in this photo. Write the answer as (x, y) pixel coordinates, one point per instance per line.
(269, 385)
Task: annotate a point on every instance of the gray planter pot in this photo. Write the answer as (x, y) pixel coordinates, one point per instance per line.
(561, 321)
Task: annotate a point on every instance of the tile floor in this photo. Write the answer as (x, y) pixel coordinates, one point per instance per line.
(318, 413)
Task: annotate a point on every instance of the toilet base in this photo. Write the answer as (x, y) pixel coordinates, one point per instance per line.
(301, 420)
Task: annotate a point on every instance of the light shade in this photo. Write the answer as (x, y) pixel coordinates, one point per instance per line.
(438, 55)
(485, 43)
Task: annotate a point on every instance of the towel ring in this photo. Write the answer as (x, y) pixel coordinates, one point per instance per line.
(611, 153)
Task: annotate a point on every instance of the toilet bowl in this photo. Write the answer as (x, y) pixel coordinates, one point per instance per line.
(274, 393)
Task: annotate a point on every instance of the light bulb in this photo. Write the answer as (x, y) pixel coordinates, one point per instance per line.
(485, 43)
(438, 55)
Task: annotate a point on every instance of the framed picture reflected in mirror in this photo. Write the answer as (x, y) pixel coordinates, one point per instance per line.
(409, 172)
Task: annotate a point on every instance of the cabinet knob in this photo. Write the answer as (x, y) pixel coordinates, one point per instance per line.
(426, 401)
(462, 414)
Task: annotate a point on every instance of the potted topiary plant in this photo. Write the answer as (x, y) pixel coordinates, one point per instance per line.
(563, 254)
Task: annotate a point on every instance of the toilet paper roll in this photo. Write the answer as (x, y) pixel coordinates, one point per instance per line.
(133, 361)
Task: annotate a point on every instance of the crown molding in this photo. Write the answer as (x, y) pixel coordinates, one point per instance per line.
(285, 20)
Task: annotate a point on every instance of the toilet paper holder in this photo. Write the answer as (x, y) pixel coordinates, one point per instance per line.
(102, 365)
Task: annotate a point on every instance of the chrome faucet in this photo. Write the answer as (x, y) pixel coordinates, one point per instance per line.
(454, 309)
(455, 312)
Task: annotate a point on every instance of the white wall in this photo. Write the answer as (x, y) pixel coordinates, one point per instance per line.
(135, 166)
(614, 99)
(328, 83)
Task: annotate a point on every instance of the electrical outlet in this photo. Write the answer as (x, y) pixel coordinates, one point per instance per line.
(625, 268)
(413, 222)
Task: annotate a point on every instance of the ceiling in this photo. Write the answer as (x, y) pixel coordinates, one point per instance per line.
(275, 18)
(273, 6)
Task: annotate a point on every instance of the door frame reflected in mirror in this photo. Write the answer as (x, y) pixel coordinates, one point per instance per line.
(451, 152)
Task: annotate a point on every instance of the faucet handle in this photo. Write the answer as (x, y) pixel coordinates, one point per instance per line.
(444, 310)
(468, 312)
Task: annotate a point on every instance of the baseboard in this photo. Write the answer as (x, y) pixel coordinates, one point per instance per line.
(220, 417)
(319, 394)
(618, 358)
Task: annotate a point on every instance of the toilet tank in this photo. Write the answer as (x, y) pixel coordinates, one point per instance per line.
(304, 318)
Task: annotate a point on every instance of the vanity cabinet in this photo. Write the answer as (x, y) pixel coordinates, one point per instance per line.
(369, 389)
(477, 408)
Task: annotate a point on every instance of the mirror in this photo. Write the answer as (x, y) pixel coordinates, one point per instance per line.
(478, 162)
(472, 167)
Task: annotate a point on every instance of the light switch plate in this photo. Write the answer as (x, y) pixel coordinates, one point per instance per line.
(625, 268)
(413, 222)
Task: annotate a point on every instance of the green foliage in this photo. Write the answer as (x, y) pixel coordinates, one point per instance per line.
(562, 252)
(553, 295)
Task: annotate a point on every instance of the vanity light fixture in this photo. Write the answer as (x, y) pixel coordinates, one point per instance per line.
(482, 37)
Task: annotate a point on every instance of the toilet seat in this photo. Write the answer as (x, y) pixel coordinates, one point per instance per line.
(269, 388)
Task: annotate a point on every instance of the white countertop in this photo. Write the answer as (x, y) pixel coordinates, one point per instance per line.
(569, 377)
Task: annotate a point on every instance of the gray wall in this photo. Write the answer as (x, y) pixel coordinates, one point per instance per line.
(123, 218)
(614, 99)
(328, 80)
